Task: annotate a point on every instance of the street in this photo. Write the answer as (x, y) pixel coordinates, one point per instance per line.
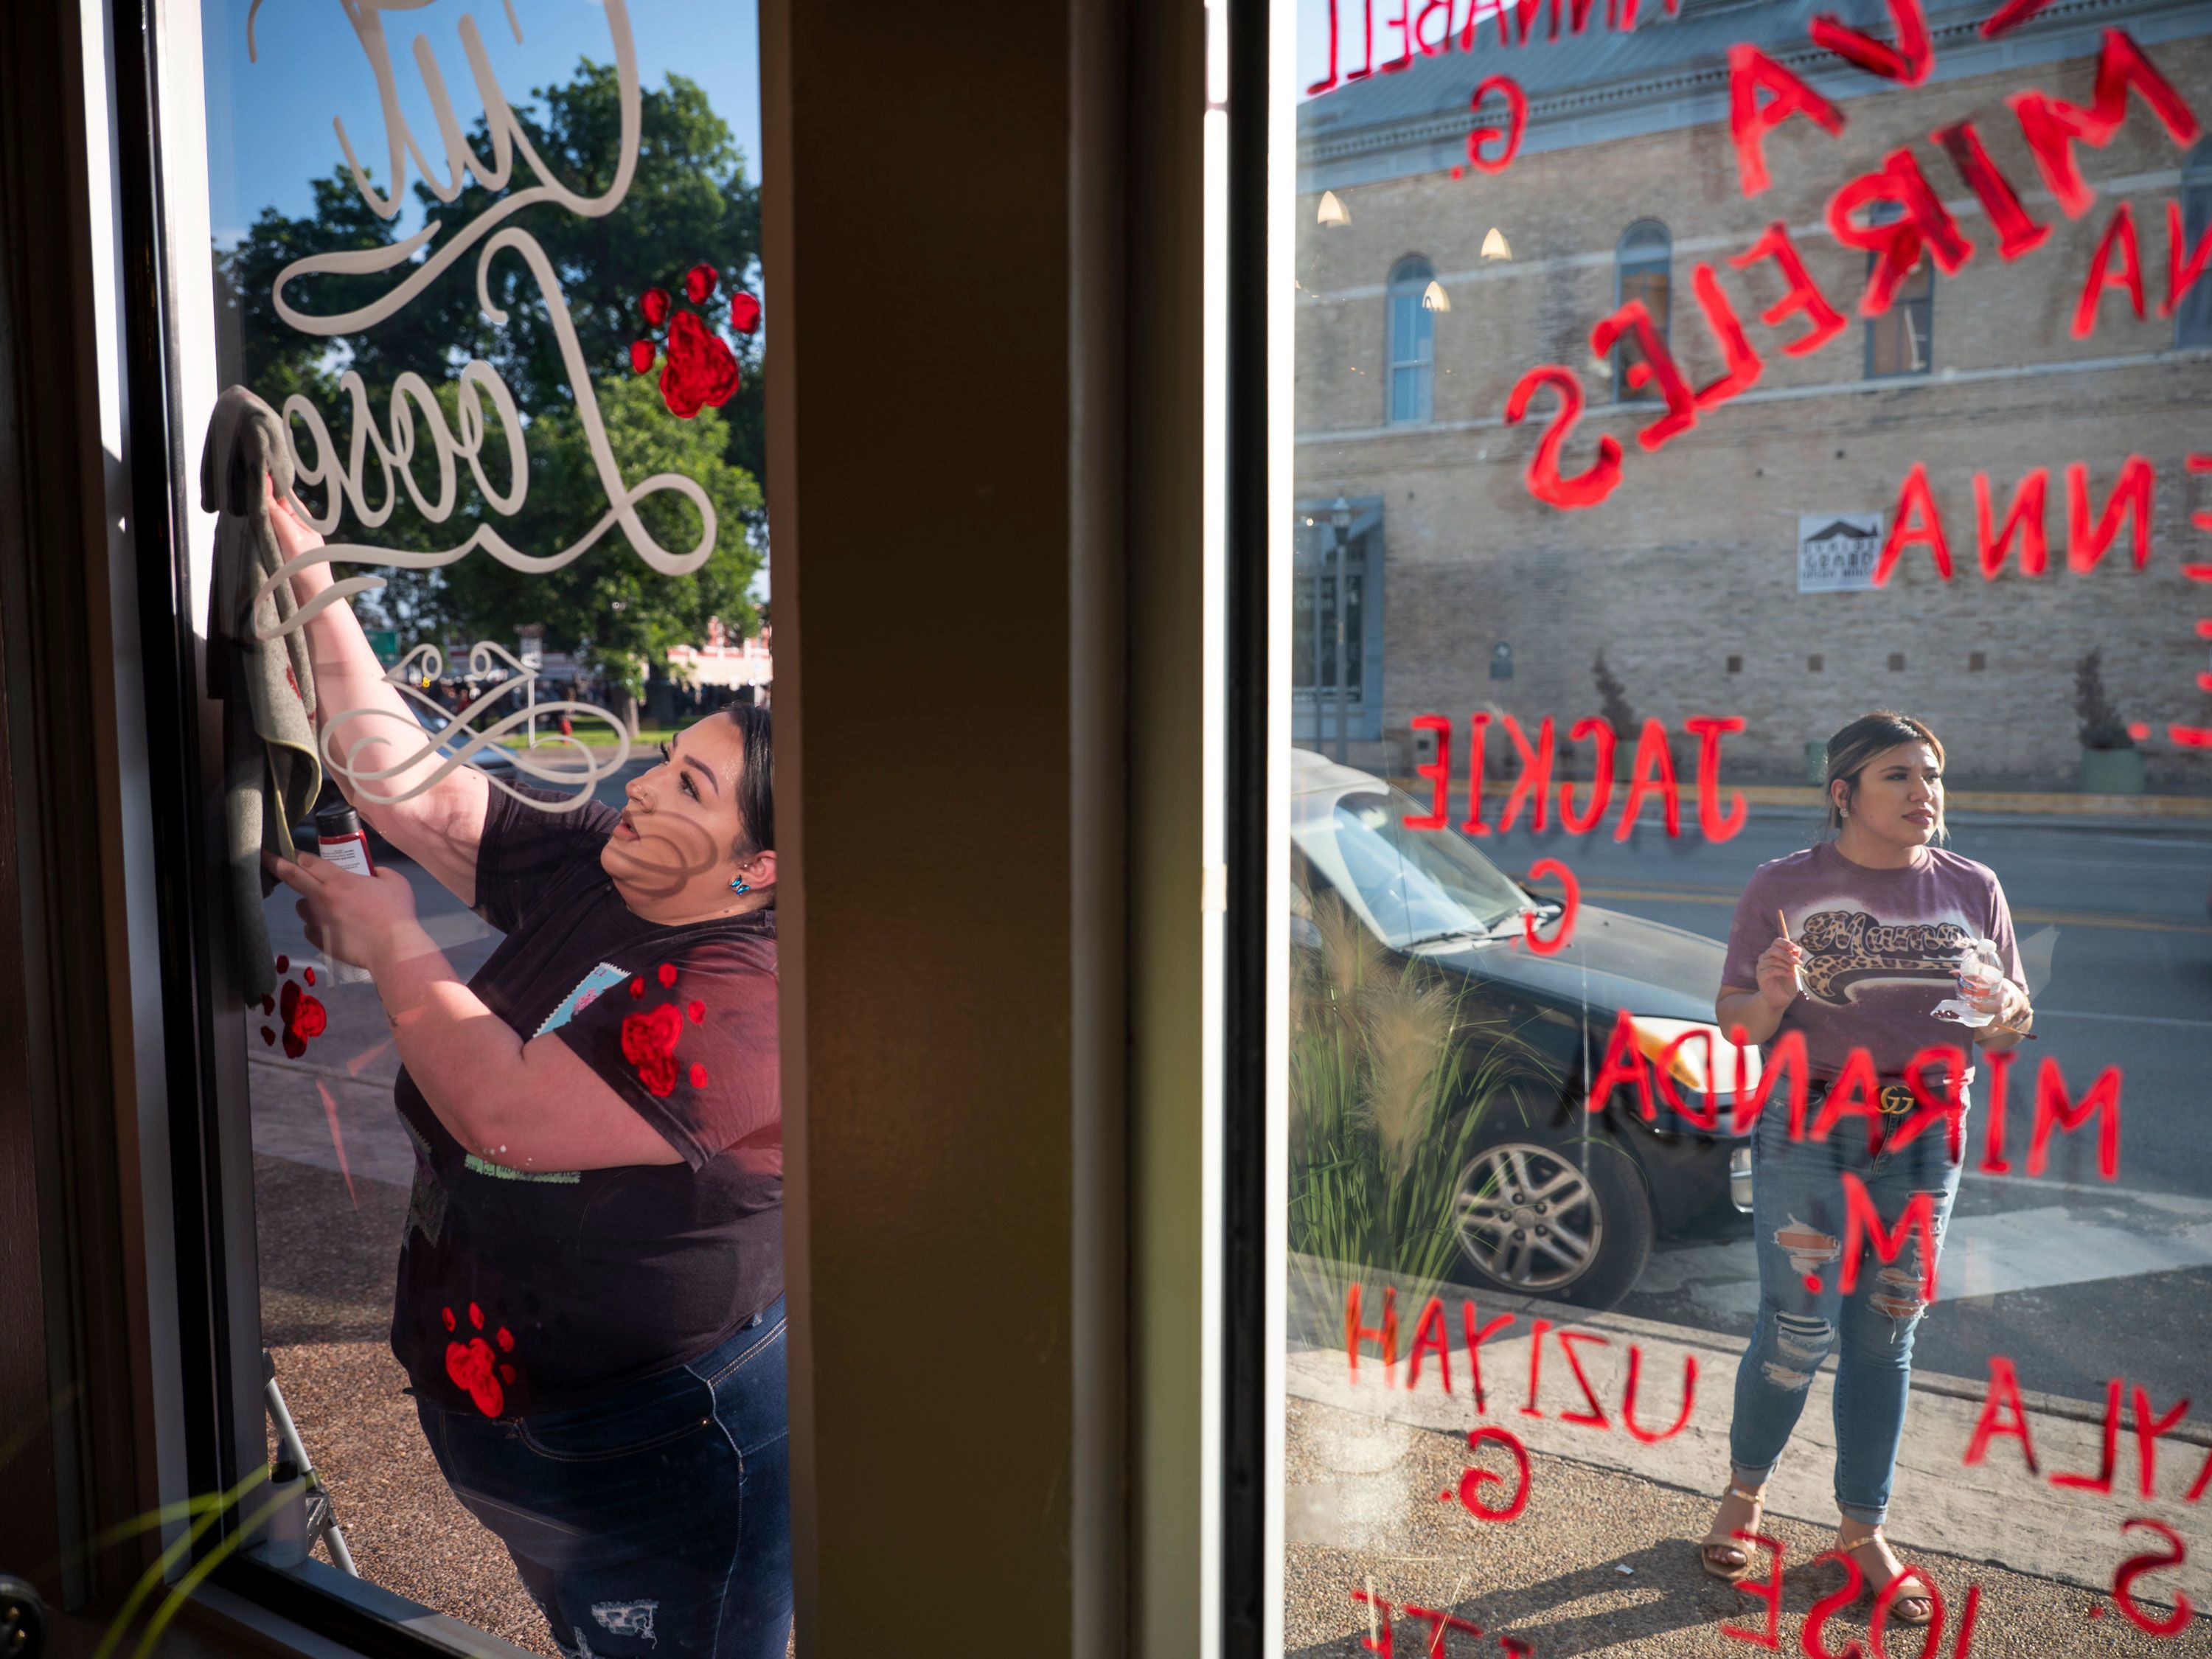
(2075, 1279)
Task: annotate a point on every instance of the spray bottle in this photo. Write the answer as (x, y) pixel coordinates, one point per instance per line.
(340, 839)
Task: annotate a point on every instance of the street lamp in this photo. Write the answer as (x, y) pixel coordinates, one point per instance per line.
(1340, 516)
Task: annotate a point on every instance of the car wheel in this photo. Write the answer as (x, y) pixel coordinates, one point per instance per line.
(1569, 1222)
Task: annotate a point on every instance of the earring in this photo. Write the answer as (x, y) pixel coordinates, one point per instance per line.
(740, 886)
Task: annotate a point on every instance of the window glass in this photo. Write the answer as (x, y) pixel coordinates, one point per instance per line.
(1644, 276)
(488, 331)
(1414, 296)
(1748, 934)
(2192, 317)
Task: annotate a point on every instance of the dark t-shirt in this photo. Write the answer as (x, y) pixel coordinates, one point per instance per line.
(526, 1291)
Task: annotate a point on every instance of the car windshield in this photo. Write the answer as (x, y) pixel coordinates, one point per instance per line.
(1410, 887)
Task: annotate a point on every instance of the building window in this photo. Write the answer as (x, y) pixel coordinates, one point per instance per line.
(1413, 343)
(2192, 320)
(1813, 663)
(1896, 662)
(1643, 269)
(1735, 665)
(1900, 341)
(1337, 696)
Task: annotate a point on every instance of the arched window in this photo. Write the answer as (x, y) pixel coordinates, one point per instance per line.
(1902, 340)
(1643, 269)
(2192, 318)
(1413, 343)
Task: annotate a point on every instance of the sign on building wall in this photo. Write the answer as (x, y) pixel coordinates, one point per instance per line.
(1835, 551)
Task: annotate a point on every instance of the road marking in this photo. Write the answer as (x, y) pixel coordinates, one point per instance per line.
(2062, 918)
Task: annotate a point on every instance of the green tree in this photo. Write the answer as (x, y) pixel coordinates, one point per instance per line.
(608, 605)
(690, 201)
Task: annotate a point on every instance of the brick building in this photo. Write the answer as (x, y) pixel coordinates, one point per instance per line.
(1424, 297)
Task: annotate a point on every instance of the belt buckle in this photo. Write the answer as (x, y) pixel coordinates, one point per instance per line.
(1894, 1099)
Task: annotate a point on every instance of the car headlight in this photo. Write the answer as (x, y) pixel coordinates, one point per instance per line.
(1695, 1054)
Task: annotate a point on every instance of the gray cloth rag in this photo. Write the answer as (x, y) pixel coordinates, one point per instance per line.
(270, 771)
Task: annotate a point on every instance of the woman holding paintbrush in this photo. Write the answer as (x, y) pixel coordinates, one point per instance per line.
(1876, 940)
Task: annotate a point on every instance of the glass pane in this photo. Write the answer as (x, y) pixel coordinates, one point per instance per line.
(488, 300)
(1649, 286)
(1744, 996)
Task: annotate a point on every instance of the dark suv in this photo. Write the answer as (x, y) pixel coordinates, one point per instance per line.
(1556, 1201)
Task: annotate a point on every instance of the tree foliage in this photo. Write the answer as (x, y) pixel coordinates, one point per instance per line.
(690, 201)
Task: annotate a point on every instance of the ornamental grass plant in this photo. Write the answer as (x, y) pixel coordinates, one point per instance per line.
(1390, 1082)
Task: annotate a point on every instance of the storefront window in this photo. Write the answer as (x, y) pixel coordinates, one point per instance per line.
(482, 369)
(1748, 937)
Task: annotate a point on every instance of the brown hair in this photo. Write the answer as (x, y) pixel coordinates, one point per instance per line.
(1853, 749)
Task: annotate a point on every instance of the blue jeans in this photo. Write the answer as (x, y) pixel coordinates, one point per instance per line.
(656, 1521)
(1799, 1226)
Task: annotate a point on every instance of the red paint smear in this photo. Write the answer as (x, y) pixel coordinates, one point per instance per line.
(1587, 488)
(698, 1075)
(295, 1045)
(653, 305)
(637, 988)
(1516, 121)
(2138, 729)
(307, 974)
(1923, 225)
(269, 1004)
(1471, 1483)
(311, 1018)
(1767, 1589)
(476, 1315)
(1804, 297)
(697, 1010)
(2052, 126)
(2184, 264)
(1750, 72)
(700, 371)
(667, 975)
(2134, 1568)
(2024, 519)
(505, 1340)
(1813, 1282)
(1908, 62)
(451, 1322)
(1573, 902)
(1458, 172)
(2118, 242)
(642, 354)
(1654, 365)
(2018, 232)
(2010, 16)
(268, 1034)
(283, 964)
(1652, 1437)
(744, 312)
(337, 1138)
(699, 283)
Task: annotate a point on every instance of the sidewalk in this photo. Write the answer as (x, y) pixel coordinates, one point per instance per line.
(1366, 1464)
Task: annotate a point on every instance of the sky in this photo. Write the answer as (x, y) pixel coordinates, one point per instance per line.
(269, 121)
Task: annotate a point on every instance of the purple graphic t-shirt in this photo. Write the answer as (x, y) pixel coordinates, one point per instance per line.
(1882, 948)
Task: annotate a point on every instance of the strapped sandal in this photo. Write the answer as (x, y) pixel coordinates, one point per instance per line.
(1718, 1546)
(1913, 1608)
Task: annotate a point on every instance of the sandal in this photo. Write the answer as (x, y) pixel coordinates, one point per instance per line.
(1719, 1545)
(1913, 1609)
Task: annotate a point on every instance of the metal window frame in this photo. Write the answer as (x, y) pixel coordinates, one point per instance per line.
(1425, 368)
(1623, 268)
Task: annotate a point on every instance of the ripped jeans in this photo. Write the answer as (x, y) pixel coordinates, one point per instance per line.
(658, 1522)
(1798, 1223)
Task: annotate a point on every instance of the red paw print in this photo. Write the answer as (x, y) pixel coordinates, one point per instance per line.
(649, 1040)
(304, 1015)
(701, 370)
(474, 1366)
